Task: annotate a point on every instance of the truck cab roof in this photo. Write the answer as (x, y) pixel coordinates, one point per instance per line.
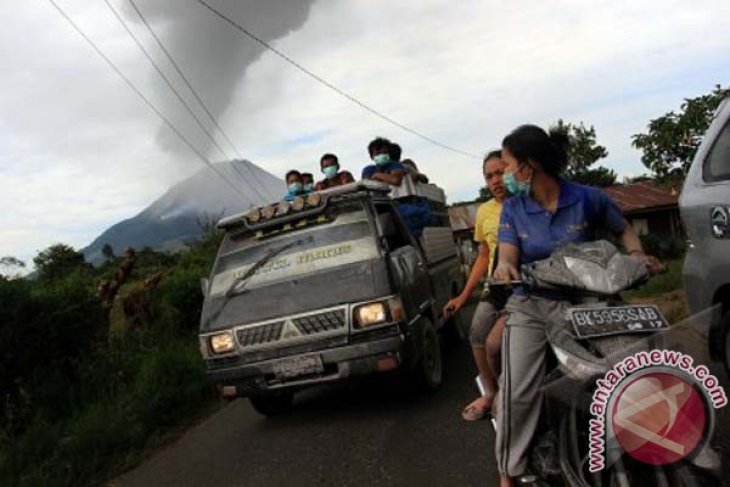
(314, 202)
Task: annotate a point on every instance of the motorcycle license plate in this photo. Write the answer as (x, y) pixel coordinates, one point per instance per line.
(616, 320)
(297, 366)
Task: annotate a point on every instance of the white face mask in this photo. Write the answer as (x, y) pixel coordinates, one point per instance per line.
(381, 159)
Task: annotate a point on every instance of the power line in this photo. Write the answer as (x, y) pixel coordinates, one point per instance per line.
(144, 98)
(165, 78)
(197, 97)
(330, 85)
(172, 88)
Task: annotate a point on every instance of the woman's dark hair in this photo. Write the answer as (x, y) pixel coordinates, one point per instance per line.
(291, 173)
(328, 156)
(530, 142)
(378, 144)
(307, 175)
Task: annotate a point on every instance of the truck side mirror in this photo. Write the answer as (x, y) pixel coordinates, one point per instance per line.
(204, 286)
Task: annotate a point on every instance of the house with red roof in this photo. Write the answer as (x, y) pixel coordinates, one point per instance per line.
(649, 207)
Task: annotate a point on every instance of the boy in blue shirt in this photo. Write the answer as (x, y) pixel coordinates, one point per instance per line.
(384, 169)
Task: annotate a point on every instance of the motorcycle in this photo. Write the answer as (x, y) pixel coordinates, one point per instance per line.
(598, 331)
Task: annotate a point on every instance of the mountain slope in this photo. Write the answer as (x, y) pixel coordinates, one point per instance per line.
(173, 219)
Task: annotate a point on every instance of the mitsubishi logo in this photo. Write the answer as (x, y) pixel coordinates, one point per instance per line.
(290, 331)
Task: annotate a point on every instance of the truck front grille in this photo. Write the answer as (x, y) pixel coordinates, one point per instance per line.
(259, 335)
(321, 322)
(309, 326)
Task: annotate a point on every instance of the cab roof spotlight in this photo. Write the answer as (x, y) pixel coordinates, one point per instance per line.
(297, 204)
(283, 208)
(268, 212)
(254, 215)
(314, 199)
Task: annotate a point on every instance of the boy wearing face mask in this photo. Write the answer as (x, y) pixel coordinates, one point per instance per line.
(307, 182)
(330, 166)
(384, 169)
(293, 184)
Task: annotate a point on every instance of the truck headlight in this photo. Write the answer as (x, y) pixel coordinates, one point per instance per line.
(370, 314)
(222, 342)
(379, 312)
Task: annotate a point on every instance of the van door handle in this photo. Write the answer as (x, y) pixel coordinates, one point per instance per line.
(719, 220)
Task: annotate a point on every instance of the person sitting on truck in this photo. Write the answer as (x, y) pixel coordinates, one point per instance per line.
(490, 304)
(294, 185)
(307, 182)
(383, 169)
(330, 166)
(412, 169)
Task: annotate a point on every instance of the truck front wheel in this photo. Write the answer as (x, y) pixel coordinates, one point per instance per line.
(272, 404)
(429, 370)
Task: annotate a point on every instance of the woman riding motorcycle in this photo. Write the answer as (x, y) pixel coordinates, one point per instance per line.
(545, 213)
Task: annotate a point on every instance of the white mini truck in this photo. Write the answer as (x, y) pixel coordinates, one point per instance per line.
(326, 287)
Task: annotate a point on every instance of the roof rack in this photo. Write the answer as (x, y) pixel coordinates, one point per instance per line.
(407, 189)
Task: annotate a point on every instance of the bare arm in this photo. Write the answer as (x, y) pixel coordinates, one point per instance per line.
(509, 262)
(394, 178)
(478, 270)
(631, 242)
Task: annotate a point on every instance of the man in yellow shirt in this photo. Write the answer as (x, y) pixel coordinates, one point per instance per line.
(485, 232)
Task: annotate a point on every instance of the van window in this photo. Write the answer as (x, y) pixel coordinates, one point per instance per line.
(394, 232)
(717, 164)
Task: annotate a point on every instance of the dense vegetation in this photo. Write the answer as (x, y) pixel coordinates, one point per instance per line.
(87, 381)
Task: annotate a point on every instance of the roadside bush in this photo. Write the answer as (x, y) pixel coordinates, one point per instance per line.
(180, 290)
(46, 329)
(78, 404)
(669, 281)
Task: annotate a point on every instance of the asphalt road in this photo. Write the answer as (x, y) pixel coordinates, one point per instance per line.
(370, 433)
(374, 433)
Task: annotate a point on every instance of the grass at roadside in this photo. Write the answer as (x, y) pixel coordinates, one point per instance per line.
(664, 290)
(108, 435)
(671, 280)
(90, 383)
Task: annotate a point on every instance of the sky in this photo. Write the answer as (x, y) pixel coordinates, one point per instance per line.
(80, 151)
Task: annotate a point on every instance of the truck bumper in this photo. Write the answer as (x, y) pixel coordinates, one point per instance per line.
(339, 363)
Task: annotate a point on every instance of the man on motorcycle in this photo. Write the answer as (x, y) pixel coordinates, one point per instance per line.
(545, 213)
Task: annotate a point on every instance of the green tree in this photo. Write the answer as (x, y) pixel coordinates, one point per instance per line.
(107, 251)
(670, 143)
(10, 266)
(583, 152)
(58, 260)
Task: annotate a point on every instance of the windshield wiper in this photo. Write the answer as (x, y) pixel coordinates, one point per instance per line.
(242, 279)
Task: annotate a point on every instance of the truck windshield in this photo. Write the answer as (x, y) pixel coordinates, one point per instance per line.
(344, 240)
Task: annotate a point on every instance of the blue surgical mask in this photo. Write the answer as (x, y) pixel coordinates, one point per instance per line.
(381, 159)
(295, 188)
(308, 187)
(330, 171)
(516, 188)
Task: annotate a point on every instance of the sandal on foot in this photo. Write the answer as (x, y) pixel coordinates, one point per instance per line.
(473, 412)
